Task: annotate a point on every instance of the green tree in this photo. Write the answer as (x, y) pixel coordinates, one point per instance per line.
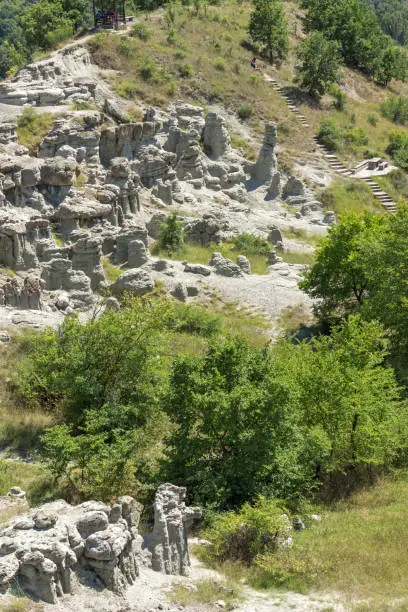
(275, 422)
(319, 64)
(171, 233)
(268, 27)
(387, 263)
(346, 397)
(340, 278)
(354, 25)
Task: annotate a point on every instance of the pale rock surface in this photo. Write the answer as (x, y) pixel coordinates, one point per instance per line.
(135, 282)
(224, 266)
(265, 166)
(172, 518)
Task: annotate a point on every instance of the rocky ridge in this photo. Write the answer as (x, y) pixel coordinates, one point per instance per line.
(104, 184)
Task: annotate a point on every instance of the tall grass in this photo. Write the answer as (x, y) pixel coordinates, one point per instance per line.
(195, 253)
(32, 127)
(349, 195)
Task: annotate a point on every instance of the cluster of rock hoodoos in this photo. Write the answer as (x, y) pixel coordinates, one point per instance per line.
(45, 549)
(104, 184)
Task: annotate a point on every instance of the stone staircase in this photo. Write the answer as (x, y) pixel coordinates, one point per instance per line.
(290, 103)
(387, 202)
(334, 162)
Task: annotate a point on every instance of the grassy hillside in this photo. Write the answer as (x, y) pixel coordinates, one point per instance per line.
(202, 54)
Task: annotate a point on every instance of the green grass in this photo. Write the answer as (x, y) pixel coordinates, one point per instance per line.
(349, 195)
(240, 143)
(195, 253)
(205, 592)
(358, 551)
(298, 257)
(293, 318)
(239, 320)
(395, 184)
(32, 127)
(302, 235)
(111, 271)
(210, 41)
(7, 271)
(20, 429)
(57, 239)
(14, 603)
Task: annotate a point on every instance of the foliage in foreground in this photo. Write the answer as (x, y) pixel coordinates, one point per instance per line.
(104, 381)
(242, 535)
(256, 421)
(230, 423)
(360, 268)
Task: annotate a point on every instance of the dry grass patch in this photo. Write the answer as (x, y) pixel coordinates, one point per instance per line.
(205, 592)
(349, 195)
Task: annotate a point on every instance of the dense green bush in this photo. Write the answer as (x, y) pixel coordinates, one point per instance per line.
(254, 421)
(248, 244)
(141, 30)
(395, 109)
(245, 111)
(247, 533)
(338, 138)
(398, 149)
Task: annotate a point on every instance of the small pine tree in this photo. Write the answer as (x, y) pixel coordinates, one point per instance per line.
(171, 234)
(268, 27)
(319, 64)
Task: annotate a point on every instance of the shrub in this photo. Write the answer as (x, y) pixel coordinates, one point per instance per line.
(32, 127)
(340, 99)
(125, 47)
(245, 111)
(398, 148)
(372, 120)
(148, 70)
(186, 70)
(54, 37)
(395, 109)
(193, 320)
(171, 233)
(220, 64)
(330, 134)
(243, 535)
(337, 138)
(140, 30)
(247, 244)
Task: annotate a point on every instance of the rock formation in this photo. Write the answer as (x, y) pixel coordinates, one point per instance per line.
(44, 549)
(265, 166)
(98, 176)
(172, 518)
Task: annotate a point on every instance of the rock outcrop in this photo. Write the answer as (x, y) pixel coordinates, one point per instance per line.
(44, 550)
(172, 518)
(225, 266)
(265, 166)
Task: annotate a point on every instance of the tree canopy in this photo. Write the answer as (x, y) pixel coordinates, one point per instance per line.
(268, 27)
(354, 25)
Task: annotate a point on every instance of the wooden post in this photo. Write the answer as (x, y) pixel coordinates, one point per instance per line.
(94, 12)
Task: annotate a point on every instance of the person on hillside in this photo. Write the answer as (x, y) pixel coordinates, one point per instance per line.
(254, 64)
